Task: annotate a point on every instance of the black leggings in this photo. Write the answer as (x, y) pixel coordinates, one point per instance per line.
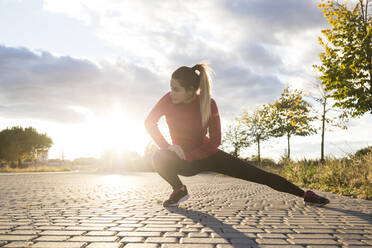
(168, 165)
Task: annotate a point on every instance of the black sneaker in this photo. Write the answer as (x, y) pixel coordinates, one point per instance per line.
(177, 196)
(313, 199)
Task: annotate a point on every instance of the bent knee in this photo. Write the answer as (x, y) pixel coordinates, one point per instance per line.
(161, 158)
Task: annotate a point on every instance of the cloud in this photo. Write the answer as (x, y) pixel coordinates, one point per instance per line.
(40, 85)
(277, 16)
(243, 40)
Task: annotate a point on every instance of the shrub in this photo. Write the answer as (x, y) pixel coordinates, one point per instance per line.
(363, 151)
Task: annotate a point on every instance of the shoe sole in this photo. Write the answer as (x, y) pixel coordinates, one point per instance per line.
(181, 200)
(315, 204)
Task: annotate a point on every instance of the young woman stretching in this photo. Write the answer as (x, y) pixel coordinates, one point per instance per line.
(189, 115)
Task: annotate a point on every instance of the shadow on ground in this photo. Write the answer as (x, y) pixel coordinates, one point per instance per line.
(240, 239)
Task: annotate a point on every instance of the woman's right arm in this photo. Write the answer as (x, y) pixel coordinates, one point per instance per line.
(151, 122)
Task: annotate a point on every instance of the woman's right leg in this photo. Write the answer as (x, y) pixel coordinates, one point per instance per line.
(168, 165)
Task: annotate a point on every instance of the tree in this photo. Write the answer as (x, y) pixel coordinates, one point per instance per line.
(235, 137)
(17, 144)
(290, 116)
(322, 98)
(346, 69)
(257, 127)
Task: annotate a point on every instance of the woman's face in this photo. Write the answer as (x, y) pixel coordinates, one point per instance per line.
(179, 94)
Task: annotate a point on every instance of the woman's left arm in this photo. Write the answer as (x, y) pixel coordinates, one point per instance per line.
(213, 142)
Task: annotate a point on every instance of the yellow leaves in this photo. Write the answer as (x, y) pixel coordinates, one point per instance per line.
(293, 123)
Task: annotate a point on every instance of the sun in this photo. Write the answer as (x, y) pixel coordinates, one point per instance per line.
(115, 130)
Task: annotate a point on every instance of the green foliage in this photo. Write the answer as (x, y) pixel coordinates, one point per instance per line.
(17, 144)
(256, 123)
(236, 137)
(257, 127)
(290, 116)
(346, 69)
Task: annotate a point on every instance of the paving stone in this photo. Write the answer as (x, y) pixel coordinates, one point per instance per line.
(100, 233)
(132, 239)
(157, 229)
(324, 246)
(245, 241)
(17, 244)
(350, 242)
(58, 245)
(23, 232)
(121, 229)
(176, 234)
(279, 230)
(278, 246)
(51, 238)
(268, 241)
(188, 246)
(310, 236)
(139, 234)
(314, 230)
(234, 235)
(93, 238)
(199, 235)
(313, 241)
(104, 245)
(133, 245)
(63, 233)
(234, 246)
(16, 237)
(161, 240)
(202, 241)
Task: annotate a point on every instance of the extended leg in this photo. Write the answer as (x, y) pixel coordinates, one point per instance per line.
(227, 164)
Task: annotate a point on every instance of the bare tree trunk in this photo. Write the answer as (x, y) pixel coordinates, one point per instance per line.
(258, 152)
(236, 152)
(323, 130)
(289, 147)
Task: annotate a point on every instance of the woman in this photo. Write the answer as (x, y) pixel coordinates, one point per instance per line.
(189, 115)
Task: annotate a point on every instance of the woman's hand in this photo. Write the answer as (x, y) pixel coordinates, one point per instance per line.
(178, 150)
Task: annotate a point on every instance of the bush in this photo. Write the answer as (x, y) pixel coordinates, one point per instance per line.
(363, 151)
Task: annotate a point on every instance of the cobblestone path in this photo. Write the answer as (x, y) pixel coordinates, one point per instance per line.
(93, 210)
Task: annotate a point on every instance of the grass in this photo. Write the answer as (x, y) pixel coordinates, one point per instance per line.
(349, 176)
(346, 176)
(38, 168)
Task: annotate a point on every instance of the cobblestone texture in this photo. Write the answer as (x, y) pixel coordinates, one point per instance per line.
(124, 210)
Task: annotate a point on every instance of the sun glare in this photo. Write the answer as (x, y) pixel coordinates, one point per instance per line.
(115, 130)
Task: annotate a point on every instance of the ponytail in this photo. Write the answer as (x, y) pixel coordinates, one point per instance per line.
(189, 78)
(205, 90)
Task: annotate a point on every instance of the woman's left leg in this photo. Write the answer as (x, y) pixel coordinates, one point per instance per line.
(227, 164)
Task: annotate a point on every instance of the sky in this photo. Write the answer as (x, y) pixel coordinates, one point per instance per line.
(87, 73)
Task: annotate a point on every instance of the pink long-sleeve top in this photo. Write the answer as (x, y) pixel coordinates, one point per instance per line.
(185, 127)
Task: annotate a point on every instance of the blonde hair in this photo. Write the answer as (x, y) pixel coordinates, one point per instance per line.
(202, 81)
